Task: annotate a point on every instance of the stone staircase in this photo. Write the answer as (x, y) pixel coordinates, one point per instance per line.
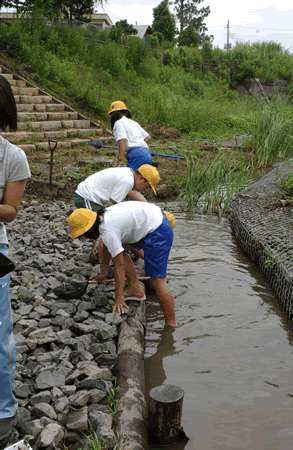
(42, 117)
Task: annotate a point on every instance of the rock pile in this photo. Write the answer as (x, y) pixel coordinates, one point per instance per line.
(65, 348)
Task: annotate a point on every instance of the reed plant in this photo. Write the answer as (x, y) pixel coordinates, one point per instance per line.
(274, 134)
(214, 183)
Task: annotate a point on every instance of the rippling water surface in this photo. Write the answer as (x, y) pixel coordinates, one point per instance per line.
(232, 354)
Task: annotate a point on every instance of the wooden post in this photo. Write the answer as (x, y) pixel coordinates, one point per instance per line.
(165, 412)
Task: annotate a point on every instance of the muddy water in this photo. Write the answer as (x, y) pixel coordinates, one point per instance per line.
(232, 354)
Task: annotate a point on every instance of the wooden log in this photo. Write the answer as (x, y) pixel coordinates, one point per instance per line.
(164, 415)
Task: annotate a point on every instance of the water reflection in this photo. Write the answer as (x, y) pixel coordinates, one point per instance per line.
(154, 370)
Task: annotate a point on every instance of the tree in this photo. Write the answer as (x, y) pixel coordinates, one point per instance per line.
(121, 29)
(187, 13)
(164, 21)
(189, 37)
(69, 9)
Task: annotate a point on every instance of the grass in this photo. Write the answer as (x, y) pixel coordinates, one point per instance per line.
(111, 396)
(215, 182)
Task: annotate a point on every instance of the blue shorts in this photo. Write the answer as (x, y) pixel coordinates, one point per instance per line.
(156, 247)
(138, 156)
(81, 202)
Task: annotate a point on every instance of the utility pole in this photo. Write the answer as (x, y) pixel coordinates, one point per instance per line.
(228, 45)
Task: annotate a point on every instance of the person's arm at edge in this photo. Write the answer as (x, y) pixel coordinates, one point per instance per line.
(122, 148)
(119, 270)
(11, 201)
(147, 139)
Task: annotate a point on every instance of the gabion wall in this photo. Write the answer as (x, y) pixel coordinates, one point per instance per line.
(264, 230)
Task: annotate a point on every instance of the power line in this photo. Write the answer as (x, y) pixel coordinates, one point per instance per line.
(255, 28)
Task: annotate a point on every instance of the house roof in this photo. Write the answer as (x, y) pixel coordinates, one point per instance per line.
(142, 29)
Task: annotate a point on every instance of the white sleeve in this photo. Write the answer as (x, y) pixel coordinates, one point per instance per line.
(119, 131)
(120, 190)
(143, 133)
(112, 241)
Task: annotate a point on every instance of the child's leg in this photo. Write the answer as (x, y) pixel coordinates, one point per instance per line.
(135, 288)
(166, 300)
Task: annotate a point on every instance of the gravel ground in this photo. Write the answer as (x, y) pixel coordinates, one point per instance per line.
(66, 349)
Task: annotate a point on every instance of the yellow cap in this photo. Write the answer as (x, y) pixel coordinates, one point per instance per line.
(171, 219)
(151, 174)
(80, 221)
(117, 106)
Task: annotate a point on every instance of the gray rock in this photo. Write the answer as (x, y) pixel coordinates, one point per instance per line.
(96, 395)
(33, 428)
(47, 380)
(61, 404)
(64, 336)
(41, 333)
(51, 436)
(86, 306)
(113, 318)
(79, 398)
(32, 342)
(42, 310)
(25, 294)
(80, 316)
(46, 259)
(41, 397)
(56, 393)
(78, 420)
(101, 421)
(68, 390)
(44, 323)
(65, 306)
(93, 371)
(24, 310)
(43, 409)
(98, 348)
(21, 390)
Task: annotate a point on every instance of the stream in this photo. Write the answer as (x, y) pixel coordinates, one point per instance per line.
(232, 352)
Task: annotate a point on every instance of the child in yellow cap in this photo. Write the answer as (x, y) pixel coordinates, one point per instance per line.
(132, 226)
(130, 137)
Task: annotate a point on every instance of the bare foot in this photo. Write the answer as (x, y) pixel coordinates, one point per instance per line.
(172, 324)
(135, 293)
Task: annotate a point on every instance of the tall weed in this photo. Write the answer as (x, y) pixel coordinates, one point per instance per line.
(215, 183)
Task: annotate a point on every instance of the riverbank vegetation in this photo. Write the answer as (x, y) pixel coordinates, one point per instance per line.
(190, 90)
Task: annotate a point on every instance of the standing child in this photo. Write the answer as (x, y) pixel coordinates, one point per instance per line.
(130, 136)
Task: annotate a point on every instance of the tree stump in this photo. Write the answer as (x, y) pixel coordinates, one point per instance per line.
(165, 412)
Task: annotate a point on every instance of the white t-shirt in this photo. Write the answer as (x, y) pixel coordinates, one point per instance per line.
(110, 184)
(129, 129)
(13, 167)
(128, 223)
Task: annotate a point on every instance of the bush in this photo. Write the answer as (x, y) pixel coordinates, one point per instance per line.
(189, 37)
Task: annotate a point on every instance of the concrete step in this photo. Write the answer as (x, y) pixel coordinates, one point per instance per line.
(33, 98)
(18, 90)
(19, 83)
(41, 146)
(52, 125)
(40, 116)
(30, 137)
(8, 76)
(41, 107)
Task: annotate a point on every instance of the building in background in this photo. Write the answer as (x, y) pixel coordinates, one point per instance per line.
(143, 31)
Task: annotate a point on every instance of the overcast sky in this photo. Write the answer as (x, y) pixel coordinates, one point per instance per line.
(250, 20)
